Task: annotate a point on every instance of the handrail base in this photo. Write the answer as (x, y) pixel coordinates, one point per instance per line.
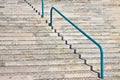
(42, 16)
(50, 24)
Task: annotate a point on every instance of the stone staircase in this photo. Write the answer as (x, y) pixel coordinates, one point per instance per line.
(95, 18)
(31, 50)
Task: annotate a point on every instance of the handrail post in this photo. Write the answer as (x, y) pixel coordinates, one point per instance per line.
(85, 34)
(50, 24)
(42, 9)
(102, 62)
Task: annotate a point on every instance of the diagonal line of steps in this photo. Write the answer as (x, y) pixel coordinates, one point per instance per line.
(31, 50)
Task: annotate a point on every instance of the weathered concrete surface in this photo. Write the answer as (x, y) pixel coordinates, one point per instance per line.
(30, 50)
(11, 1)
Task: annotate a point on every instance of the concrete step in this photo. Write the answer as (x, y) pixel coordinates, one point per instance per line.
(31, 38)
(79, 34)
(24, 26)
(46, 34)
(86, 78)
(12, 21)
(16, 17)
(107, 60)
(24, 31)
(17, 11)
(33, 57)
(19, 14)
(77, 1)
(84, 26)
(94, 55)
(81, 24)
(106, 50)
(28, 71)
(108, 67)
(83, 37)
(50, 62)
(13, 18)
(86, 41)
(19, 25)
(114, 73)
(76, 31)
(15, 78)
(19, 22)
(53, 75)
(16, 20)
(16, 34)
(84, 45)
(68, 76)
(26, 34)
(44, 51)
(12, 15)
(20, 30)
(80, 19)
(33, 47)
(27, 27)
(30, 42)
(97, 38)
(39, 69)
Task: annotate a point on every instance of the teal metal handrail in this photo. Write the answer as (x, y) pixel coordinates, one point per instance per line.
(42, 9)
(85, 34)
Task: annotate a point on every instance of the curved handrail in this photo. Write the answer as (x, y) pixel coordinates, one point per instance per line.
(85, 34)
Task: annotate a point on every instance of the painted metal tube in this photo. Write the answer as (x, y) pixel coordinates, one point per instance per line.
(85, 34)
(42, 9)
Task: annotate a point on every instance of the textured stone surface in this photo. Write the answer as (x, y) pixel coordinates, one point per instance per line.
(30, 50)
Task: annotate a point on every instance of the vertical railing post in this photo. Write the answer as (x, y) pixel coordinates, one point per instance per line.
(42, 9)
(50, 24)
(102, 62)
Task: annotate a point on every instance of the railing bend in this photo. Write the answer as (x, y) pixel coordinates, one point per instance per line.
(85, 34)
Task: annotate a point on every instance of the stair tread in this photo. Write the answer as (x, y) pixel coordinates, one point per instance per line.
(44, 51)
(56, 75)
(28, 57)
(32, 69)
(36, 47)
(31, 50)
(46, 63)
